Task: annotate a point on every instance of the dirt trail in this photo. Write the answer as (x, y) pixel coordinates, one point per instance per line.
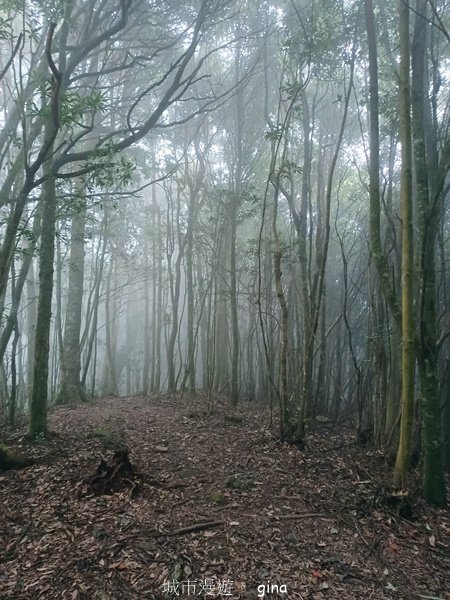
(217, 509)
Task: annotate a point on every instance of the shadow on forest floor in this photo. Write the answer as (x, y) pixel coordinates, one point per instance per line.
(209, 507)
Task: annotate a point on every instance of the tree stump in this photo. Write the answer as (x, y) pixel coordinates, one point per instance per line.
(115, 475)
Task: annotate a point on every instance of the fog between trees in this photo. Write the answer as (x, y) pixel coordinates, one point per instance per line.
(245, 198)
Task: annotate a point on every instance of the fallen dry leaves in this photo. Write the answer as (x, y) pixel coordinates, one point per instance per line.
(218, 500)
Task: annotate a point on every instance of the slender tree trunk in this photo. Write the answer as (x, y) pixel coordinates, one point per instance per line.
(321, 260)
(58, 320)
(158, 307)
(305, 291)
(353, 355)
(234, 212)
(321, 380)
(38, 407)
(220, 380)
(234, 373)
(13, 396)
(335, 409)
(190, 367)
(284, 322)
(31, 296)
(110, 387)
(406, 212)
(90, 334)
(203, 321)
(71, 390)
(175, 290)
(195, 181)
(393, 386)
(26, 271)
(147, 324)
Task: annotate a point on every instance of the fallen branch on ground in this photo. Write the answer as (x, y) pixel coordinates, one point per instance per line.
(196, 527)
(299, 516)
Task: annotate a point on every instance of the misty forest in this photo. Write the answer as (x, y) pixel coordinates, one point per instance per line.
(224, 299)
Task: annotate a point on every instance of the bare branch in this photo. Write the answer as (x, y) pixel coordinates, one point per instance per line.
(14, 52)
(48, 52)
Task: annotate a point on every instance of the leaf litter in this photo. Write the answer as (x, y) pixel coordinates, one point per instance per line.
(136, 497)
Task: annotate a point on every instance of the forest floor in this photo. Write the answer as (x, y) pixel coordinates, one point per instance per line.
(216, 507)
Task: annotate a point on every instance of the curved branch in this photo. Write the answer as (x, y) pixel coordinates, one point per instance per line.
(11, 58)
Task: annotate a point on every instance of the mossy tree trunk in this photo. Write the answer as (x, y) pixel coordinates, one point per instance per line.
(376, 247)
(433, 481)
(38, 406)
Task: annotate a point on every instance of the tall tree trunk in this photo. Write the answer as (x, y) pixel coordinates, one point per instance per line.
(234, 212)
(157, 309)
(158, 322)
(220, 369)
(110, 385)
(301, 223)
(203, 324)
(376, 248)
(195, 181)
(318, 286)
(284, 321)
(433, 481)
(147, 326)
(190, 366)
(175, 288)
(406, 213)
(71, 391)
(90, 333)
(31, 296)
(234, 373)
(38, 407)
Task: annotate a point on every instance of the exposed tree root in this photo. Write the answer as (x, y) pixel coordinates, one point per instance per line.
(114, 476)
(10, 461)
